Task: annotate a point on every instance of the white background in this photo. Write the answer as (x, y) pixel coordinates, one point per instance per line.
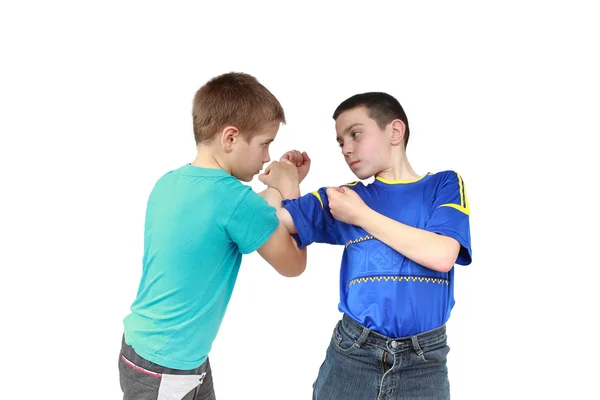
(95, 105)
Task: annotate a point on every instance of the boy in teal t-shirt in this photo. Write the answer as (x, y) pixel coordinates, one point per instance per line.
(200, 219)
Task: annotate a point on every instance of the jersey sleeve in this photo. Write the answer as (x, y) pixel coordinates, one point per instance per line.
(450, 216)
(252, 222)
(313, 220)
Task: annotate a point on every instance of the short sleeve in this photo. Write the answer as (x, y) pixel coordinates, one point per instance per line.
(313, 220)
(450, 215)
(252, 222)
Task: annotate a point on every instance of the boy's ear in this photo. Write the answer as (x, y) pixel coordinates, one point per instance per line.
(397, 135)
(229, 135)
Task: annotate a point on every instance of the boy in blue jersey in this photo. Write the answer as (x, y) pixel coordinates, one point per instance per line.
(402, 234)
(200, 219)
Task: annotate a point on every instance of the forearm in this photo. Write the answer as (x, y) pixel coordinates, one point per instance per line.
(296, 263)
(282, 252)
(273, 197)
(426, 248)
(289, 190)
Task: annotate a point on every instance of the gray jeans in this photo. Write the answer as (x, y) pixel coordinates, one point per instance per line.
(144, 380)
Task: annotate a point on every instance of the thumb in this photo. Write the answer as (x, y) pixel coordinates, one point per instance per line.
(305, 158)
(268, 169)
(330, 191)
(263, 178)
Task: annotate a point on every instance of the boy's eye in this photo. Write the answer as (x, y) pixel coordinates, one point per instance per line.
(341, 144)
(355, 134)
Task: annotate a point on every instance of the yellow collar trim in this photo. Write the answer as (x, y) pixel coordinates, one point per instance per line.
(400, 181)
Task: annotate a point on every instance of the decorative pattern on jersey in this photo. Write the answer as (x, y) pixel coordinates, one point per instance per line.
(380, 278)
(360, 239)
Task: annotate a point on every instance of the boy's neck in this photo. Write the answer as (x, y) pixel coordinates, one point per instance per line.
(207, 158)
(400, 170)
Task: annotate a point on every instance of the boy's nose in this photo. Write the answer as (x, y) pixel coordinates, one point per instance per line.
(347, 149)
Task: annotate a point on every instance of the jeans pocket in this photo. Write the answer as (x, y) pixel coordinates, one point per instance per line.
(341, 341)
(435, 354)
(134, 378)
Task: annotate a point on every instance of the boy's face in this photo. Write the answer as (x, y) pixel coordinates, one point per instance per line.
(366, 148)
(250, 156)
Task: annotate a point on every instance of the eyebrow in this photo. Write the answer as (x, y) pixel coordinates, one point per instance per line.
(349, 129)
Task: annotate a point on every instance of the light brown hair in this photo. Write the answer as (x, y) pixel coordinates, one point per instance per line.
(235, 99)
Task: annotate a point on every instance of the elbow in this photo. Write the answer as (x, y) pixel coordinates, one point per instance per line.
(444, 265)
(445, 261)
(447, 256)
(292, 271)
(294, 266)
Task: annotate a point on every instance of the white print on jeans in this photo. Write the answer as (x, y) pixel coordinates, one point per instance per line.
(175, 387)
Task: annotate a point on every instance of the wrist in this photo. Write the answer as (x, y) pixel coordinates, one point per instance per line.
(292, 191)
(365, 216)
(273, 197)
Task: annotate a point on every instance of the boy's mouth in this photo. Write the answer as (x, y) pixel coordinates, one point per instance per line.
(353, 163)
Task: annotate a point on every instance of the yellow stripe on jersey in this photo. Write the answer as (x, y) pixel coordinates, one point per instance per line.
(318, 196)
(464, 201)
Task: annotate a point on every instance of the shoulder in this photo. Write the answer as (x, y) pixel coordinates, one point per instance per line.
(357, 184)
(241, 194)
(446, 176)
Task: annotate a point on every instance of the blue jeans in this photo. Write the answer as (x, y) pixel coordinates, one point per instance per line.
(363, 365)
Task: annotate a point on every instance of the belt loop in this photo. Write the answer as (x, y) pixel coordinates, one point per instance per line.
(415, 343)
(363, 336)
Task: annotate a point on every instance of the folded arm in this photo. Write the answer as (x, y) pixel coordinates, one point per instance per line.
(431, 250)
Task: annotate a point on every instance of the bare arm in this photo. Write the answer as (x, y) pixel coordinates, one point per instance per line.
(436, 252)
(281, 250)
(285, 217)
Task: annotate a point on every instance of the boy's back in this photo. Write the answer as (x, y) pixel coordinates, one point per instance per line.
(199, 221)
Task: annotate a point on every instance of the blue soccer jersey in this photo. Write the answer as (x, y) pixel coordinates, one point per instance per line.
(379, 287)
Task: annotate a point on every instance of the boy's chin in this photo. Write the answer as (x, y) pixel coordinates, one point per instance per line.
(362, 176)
(244, 177)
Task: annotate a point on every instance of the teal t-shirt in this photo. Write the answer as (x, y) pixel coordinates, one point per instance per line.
(199, 222)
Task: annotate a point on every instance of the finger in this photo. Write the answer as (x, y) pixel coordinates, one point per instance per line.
(298, 158)
(305, 158)
(288, 155)
(263, 178)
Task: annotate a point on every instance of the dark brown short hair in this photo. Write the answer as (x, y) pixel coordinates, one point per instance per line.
(236, 99)
(381, 107)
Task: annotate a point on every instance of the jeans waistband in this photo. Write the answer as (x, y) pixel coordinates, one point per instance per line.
(363, 335)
